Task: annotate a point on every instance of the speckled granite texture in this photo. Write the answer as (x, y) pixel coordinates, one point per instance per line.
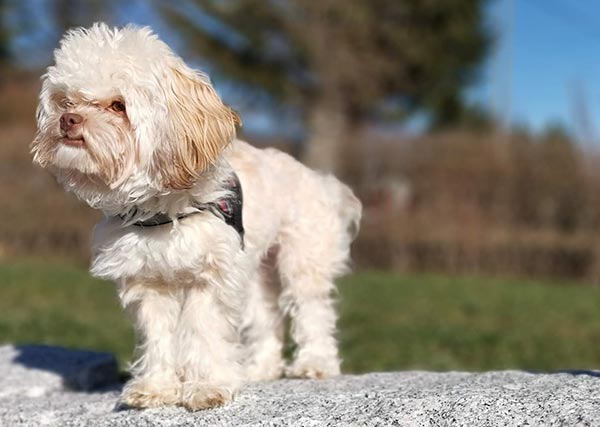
(46, 386)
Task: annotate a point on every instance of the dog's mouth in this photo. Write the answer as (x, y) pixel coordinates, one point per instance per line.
(73, 142)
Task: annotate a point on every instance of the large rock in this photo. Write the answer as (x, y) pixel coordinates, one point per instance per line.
(36, 370)
(403, 398)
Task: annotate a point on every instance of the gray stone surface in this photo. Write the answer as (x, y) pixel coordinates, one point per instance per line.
(38, 369)
(508, 398)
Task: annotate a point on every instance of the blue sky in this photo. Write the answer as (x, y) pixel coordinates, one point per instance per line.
(547, 68)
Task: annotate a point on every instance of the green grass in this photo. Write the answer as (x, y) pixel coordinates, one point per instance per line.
(59, 303)
(432, 322)
(388, 322)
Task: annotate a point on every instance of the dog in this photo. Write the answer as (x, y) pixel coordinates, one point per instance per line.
(211, 242)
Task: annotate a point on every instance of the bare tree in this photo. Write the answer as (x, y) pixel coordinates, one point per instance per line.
(341, 63)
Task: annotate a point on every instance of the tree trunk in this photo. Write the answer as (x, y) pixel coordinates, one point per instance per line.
(328, 127)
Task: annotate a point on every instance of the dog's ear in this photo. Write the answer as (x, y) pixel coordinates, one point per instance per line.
(200, 127)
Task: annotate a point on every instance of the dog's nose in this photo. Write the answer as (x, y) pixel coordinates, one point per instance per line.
(68, 120)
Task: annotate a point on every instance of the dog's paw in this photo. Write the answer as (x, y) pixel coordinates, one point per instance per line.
(265, 369)
(255, 373)
(313, 367)
(197, 396)
(150, 393)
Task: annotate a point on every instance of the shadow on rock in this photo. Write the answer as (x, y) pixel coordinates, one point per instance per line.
(81, 370)
(595, 374)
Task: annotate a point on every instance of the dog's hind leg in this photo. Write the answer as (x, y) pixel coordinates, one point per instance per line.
(312, 328)
(262, 334)
(307, 297)
(314, 250)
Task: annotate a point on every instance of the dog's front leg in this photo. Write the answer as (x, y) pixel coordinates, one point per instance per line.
(208, 348)
(154, 310)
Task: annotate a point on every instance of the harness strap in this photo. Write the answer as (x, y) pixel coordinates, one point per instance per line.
(229, 209)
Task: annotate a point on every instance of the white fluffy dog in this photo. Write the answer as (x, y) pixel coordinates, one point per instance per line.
(129, 128)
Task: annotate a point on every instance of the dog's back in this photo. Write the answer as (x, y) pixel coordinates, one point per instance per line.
(290, 197)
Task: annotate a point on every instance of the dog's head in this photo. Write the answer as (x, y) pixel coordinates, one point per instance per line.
(118, 103)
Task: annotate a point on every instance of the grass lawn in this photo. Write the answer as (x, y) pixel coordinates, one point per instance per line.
(388, 322)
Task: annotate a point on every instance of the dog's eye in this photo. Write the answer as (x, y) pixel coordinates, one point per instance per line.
(118, 106)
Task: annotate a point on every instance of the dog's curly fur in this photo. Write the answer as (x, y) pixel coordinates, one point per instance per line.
(127, 126)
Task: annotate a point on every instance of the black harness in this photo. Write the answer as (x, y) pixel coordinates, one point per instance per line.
(229, 209)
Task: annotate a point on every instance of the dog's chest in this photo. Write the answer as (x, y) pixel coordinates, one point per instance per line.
(189, 249)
